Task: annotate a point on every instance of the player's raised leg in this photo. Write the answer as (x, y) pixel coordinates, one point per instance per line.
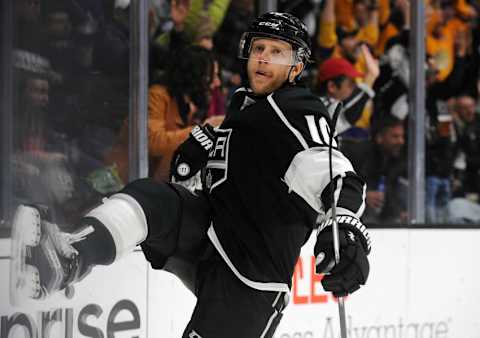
(46, 260)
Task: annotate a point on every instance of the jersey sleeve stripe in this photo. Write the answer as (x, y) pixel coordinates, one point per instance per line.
(363, 205)
(282, 117)
(338, 189)
(354, 100)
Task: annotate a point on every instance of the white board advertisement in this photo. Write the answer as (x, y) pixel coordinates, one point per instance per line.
(423, 284)
(110, 302)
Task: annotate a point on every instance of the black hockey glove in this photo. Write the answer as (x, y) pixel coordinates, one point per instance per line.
(353, 269)
(192, 154)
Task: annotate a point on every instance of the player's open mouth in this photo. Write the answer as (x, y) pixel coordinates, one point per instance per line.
(261, 73)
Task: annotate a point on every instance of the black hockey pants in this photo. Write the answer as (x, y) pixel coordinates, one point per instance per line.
(177, 237)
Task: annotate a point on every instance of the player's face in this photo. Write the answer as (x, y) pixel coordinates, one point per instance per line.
(269, 64)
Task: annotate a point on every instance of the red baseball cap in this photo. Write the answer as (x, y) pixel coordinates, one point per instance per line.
(335, 67)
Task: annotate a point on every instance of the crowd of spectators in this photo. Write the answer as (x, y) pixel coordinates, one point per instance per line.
(72, 76)
(362, 47)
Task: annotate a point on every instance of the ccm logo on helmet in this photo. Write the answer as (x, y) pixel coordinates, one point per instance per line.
(269, 24)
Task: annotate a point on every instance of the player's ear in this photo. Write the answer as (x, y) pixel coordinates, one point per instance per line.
(296, 70)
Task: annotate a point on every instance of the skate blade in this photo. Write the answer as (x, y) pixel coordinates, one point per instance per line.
(26, 232)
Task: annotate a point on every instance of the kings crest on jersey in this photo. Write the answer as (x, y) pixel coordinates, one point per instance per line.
(217, 166)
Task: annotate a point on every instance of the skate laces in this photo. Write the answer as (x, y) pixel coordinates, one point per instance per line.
(63, 243)
(63, 240)
(78, 236)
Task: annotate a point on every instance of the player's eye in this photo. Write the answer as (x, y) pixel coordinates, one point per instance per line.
(277, 51)
(258, 49)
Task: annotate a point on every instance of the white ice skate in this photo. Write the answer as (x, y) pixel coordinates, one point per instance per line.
(43, 259)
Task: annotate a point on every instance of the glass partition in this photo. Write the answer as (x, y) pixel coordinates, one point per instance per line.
(6, 98)
(361, 59)
(67, 95)
(68, 132)
(414, 139)
(452, 127)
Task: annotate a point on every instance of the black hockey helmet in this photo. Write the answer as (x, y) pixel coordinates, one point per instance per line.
(282, 26)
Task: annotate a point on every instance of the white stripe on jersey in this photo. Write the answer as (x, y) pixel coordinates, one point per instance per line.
(312, 127)
(241, 89)
(269, 323)
(362, 207)
(262, 286)
(280, 114)
(338, 189)
(308, 173)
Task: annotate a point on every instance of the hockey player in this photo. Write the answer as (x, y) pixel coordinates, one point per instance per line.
(265, 181)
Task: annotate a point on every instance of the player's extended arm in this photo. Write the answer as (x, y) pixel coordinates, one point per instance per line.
(309, 177)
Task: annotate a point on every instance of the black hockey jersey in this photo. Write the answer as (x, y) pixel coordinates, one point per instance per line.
(266, 175)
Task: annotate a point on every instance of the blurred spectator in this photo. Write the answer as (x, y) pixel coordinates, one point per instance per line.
(40, 161)
(398, 20)
(464, 208)
(158, 17)
(112, 43)
(33, 89)
(59, 49)
(198, 20)
(28, 28)
(366, 17)
(176, 103)
(464, 211)
(239, 15)
(217, 102)
(336, 82)
(185, 14)
(391, 87)
(467, 126)
(391, 99)
(439, 143)
(444, 28)
(382, 164)
(359, 17)
(306, 10)
(337, 40)
(93, 91)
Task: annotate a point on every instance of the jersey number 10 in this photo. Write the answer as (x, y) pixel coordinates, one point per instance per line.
(320, 133)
